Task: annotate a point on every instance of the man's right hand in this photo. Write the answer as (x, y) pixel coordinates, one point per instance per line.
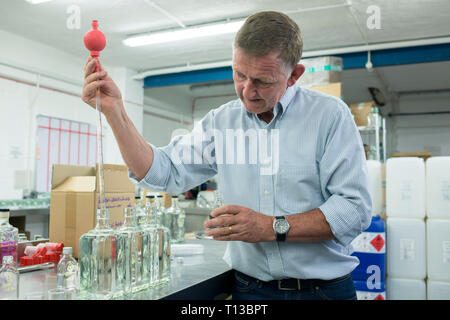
(111, 98)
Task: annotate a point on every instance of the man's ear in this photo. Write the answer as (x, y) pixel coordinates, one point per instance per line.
(299, 69)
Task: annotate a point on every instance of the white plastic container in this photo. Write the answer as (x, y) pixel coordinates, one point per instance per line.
(438, 187)
(438, 290)
(375, 186)
(406, 255)
(405, 187)
(405, 289)
(438, 249)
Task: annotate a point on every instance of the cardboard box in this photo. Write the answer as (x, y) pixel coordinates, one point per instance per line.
(360, 112)
(334, 89)
(421, 154)
(74, 200)
(321, 71)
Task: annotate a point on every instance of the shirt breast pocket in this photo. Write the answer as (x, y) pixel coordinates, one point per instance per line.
(298, 188)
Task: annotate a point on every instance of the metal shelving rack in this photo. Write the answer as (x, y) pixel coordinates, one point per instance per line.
(375, 136)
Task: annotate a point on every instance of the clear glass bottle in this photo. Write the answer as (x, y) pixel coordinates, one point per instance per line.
(101, 257)
(9, 279)
(67, 271)
(9, 237)
(163, 245)
(135, 240)
(161, 210)
(175, 219)
(218, 201)
(140, 214)
(151, 255)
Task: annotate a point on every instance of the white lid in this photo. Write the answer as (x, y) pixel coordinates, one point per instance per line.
(67, 250)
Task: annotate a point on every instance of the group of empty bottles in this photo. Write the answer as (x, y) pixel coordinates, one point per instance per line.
(114, 263)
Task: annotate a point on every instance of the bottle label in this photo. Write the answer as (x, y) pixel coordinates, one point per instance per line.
(366, 295)
(370, 242)
(407, 249)
(8, 247)
(446, 251)
(445, 190)
(8, 282)
(406, 190)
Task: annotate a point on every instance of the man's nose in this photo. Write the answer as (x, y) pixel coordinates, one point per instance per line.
(249, 88)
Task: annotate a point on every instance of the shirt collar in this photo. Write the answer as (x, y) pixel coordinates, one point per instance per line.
(286, 99)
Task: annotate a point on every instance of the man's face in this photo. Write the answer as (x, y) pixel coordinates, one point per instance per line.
(260, 82)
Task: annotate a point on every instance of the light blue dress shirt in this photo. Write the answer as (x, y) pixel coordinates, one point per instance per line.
(309, 156)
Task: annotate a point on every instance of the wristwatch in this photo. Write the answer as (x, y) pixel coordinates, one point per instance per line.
(281, 228)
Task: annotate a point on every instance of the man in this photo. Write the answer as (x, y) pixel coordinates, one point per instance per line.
(289, 228)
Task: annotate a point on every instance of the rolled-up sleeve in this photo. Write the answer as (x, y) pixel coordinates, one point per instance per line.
(344, 178)
(180, 165)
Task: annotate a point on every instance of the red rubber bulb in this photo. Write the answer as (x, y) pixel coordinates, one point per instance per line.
(95, 41)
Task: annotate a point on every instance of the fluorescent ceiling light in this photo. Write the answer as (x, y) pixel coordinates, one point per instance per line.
(37, 1)
(183, 34)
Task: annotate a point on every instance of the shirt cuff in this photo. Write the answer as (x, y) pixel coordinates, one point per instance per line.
(343, 218)
(156, 176)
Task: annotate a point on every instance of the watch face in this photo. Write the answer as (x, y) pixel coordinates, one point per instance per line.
(281, 226)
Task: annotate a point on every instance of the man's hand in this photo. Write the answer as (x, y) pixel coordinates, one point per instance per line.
(111, 98)
(245, 225)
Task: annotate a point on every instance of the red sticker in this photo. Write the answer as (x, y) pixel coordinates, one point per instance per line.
(379, 297)
(377, 242)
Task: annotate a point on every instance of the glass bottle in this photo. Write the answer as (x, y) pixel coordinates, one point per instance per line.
(175, 218)
(9, 237)
(67, 271)
(135, 242)
(9, 279)
(101, 257)
(161, 210)
(150, 226)
(163, 244)
(140, 214)
(218, 201)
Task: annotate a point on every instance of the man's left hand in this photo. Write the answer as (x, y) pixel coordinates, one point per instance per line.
(237, 223)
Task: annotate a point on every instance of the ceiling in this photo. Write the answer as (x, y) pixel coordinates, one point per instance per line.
(333, 27)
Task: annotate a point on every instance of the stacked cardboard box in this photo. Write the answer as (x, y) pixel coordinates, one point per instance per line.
(75, 199)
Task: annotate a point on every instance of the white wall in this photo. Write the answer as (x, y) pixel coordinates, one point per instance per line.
(423, 132)
(202, 105)
(21, 101)
(166, 109)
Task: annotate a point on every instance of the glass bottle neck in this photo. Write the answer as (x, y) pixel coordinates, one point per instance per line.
(102, 219)
(137, 203)
(129, 218)
(66, 256)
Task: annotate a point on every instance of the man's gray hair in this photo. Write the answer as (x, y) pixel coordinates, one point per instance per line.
(270, 31)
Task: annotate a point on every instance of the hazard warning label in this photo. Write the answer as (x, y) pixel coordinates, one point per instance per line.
(370, 242)
(377, 242)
